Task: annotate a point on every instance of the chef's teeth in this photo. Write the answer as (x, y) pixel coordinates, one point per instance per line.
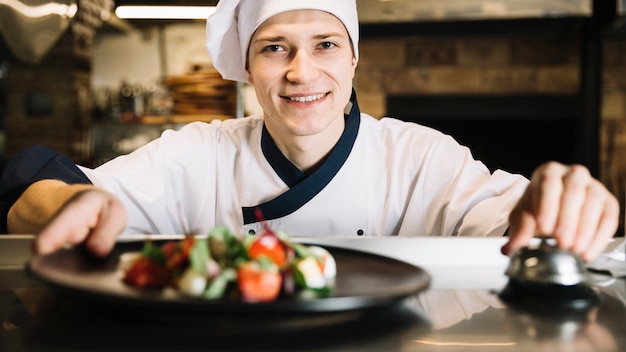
(307, 98)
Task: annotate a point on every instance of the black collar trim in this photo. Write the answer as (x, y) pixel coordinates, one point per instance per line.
(302, 187)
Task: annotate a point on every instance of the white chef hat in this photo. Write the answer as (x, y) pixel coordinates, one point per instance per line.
(230, 28)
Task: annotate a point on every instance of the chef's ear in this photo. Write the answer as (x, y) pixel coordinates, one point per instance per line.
(250, 80)
(247, 67)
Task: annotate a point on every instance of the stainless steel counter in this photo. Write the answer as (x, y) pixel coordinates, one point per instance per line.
(460, 311)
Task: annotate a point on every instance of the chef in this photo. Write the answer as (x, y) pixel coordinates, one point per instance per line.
(312, 163)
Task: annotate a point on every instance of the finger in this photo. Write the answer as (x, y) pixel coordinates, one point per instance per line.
(547, 190)
(522, 228)
(66, 229)
(574, 194)
(74, 222)
(113, 219)
(606, 229)
(589, 218)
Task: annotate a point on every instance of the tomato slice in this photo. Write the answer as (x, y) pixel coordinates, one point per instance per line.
(258, 284)
(270, 246)
(147, 273)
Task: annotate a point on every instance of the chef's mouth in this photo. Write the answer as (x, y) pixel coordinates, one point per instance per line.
(306, 98)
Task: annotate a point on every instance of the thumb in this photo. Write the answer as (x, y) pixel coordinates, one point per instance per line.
(522, 228)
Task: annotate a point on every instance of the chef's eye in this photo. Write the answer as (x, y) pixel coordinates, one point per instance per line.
(327, 45)
(272, 48)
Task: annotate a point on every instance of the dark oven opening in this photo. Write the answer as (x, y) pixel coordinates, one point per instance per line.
(512, 133)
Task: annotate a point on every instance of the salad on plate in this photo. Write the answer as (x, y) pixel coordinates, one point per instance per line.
(222, 265)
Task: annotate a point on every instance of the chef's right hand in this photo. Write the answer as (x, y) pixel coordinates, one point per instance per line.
(567, 203)
(93, 217)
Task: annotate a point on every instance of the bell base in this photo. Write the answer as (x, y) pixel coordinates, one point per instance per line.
(549, 297)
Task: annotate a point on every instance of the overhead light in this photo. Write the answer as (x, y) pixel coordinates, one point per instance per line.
(43, 10)
(164, 12)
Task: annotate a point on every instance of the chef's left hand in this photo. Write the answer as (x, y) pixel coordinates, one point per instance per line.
(567, 203)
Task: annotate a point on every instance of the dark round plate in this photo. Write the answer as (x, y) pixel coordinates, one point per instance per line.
(363, 281)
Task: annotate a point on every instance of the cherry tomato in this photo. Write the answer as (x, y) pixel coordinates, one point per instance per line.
(268, 245)
(258, 284)
(147, 273)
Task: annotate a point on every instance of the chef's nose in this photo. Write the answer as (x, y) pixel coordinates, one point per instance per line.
(302, 68)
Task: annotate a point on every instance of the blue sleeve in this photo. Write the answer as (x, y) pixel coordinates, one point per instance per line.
(32, 164)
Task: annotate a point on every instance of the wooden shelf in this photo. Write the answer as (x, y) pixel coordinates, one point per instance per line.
(176, 119)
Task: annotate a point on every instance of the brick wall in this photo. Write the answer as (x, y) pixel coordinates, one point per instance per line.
(49, 103)
(613, 123)
(467, 66)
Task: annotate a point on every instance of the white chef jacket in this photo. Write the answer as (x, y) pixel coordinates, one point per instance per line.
(384, 178)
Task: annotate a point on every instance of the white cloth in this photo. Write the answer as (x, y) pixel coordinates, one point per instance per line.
(230, 28)
(400, 179)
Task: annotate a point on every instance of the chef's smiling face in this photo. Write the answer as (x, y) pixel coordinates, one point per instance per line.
(301, 64)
